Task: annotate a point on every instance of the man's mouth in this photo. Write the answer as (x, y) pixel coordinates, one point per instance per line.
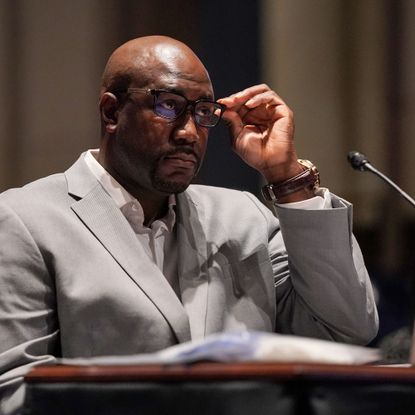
(182, 157)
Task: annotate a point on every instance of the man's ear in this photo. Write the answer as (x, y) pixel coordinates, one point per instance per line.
(109, 107)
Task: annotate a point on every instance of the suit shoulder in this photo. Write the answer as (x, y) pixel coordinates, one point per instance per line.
(204, 191)
(222, 199)
(44, 189)
(228, 212)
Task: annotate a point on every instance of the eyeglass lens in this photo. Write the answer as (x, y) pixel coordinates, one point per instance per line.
(171, 106)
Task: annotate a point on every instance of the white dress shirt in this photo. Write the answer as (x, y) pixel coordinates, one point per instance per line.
(158, 240)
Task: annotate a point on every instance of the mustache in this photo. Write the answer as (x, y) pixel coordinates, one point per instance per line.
(181, 150)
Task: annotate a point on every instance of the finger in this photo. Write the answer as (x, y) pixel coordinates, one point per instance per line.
(234, 123)
(263, 114)
(277, 117)
(251, 91)
(239, 108)
(239, 98)
(231, 103)
(265, 98)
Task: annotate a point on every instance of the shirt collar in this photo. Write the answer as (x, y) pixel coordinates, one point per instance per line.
(119, 195)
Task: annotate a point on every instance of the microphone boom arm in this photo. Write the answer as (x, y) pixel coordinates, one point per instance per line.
(360, 162)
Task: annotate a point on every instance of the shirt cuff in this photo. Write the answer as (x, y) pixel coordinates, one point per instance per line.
(322, 200)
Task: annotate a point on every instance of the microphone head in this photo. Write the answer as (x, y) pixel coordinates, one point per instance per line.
(358, 160)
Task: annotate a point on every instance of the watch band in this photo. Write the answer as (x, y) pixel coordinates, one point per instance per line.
(309, 178)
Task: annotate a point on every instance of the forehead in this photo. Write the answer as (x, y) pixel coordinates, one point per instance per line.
(177, 70)
(192, 88)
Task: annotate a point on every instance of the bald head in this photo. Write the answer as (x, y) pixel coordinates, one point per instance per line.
(140, 60)
(146, 146)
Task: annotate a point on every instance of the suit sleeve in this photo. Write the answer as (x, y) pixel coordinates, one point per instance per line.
(322, 286)
(28, 321)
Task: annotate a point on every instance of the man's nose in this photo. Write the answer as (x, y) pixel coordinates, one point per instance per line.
(187, 128)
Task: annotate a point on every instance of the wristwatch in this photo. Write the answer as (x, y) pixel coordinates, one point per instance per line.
(308, 178)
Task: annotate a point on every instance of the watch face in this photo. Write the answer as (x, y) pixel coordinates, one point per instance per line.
(313, 170)
(306, 163)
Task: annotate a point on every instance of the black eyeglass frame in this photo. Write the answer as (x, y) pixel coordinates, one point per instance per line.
(192, 104)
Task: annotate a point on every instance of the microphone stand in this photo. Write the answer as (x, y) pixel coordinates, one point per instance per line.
(405, 195)
(360, 162)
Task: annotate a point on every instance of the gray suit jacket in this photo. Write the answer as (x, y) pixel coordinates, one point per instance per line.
(76, 282)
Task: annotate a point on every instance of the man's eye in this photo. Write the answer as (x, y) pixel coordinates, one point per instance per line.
(169, 104)
(204, 110)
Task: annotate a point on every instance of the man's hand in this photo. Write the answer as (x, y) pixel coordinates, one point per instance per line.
(262, 129)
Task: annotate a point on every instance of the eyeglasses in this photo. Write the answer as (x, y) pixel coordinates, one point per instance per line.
(171, 106)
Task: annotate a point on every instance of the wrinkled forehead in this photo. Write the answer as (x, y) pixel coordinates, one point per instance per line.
(172, 68)
(189, 84)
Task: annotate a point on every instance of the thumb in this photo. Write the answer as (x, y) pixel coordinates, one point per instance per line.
(234, 123)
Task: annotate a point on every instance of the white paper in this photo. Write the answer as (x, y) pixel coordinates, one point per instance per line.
(246, 346)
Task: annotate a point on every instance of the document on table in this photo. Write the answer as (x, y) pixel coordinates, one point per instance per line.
(246, 346)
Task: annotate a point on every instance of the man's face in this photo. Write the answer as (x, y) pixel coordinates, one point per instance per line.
(153, 154)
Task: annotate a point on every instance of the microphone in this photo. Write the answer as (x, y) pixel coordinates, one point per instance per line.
(360, 162)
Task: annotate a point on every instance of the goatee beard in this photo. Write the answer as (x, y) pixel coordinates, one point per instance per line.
(170, 186)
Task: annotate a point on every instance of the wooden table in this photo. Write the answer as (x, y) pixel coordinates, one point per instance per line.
(215, 388)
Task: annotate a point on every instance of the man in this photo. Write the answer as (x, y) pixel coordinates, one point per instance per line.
(119, 255)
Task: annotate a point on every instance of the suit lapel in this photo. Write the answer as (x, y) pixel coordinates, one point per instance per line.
(102, 217)
(192, 263)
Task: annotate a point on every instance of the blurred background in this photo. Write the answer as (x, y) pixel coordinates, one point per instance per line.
(345, 67)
